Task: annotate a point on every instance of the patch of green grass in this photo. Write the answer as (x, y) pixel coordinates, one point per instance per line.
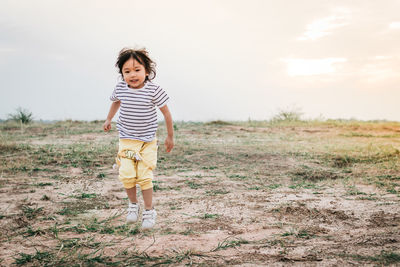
(172, 259)
(32, 232)
(304, 185)
(67, 211)
(158, 187)
(10, 148)
(356, 134)
(341, 161)
(392, 191)
(274, 186)
(380, 155)
(126, 229)
(188, 231)
(86, 195)
(169, 231)
(92, 226)
(217, 192)
(101, 175)
(385, 257)
(304, 234)
(78, 243)
(91, 260)
(83, 203)
(209, 216)
(230, 244)
(367, 198)
(209, 167)
(314, 174)
(193, 185)
(31, 212)
(43, 184)
(237, 177)
(288, 234)
(40, 257)
(255, 188)
(58, 177)
(103, 227)
(389, 177)
(380, 183)
(353, 191)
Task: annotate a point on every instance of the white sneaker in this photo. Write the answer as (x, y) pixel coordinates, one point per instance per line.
(133, 213)
(149, 218)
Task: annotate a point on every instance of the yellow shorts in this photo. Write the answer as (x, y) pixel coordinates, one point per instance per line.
(137, 160)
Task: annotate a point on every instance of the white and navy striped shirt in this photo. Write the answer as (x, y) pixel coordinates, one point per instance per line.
(137, 115)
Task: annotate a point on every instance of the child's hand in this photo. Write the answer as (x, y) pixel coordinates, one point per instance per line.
(169, 144)
(107, 125)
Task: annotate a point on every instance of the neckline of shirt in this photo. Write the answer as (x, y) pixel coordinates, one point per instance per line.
(134, 89)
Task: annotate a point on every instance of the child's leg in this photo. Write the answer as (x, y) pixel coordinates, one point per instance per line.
(131, 192)
(145, 172)
(127, 169)
(148, 198)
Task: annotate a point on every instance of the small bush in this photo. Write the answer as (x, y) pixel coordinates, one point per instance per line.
(22, 115)
(218, 122)
(293, 114)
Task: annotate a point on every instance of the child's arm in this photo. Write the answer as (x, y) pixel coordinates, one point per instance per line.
(169, 141)
(113, 109)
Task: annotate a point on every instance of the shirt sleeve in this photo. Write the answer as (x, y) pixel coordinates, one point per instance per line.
(114, 95)
(160, 98)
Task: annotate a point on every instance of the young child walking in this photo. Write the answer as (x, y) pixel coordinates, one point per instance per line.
(137, 98)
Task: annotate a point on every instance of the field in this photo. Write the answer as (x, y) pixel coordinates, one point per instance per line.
(230, 193)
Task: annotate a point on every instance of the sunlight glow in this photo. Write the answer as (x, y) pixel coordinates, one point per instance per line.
(394, 25)
(382, 57)
(322, 27)
(305, 67)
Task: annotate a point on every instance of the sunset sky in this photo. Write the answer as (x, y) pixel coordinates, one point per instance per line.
(229, 60)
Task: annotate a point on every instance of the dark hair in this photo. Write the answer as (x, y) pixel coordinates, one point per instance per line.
(141, 56)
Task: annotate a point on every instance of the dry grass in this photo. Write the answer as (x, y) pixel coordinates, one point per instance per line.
(263, 193)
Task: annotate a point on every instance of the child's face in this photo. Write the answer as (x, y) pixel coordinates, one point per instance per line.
(134, 73)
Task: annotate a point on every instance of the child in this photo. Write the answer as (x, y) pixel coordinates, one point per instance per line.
(137, 124)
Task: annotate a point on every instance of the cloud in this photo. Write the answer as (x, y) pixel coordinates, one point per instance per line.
(325, 26)
(306, 67)
(394, 25)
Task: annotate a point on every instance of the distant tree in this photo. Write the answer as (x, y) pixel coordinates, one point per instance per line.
(21, 115)
(293, 114)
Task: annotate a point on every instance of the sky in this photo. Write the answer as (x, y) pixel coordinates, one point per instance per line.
(217, 59)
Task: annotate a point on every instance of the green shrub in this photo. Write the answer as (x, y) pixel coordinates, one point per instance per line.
(293, 114)
(22, 115)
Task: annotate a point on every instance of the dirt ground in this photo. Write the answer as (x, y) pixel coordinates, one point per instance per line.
(240, 194)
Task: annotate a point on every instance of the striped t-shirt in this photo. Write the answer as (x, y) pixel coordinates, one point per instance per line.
(137, 115)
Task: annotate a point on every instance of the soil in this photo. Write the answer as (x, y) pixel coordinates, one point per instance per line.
(221, 222)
